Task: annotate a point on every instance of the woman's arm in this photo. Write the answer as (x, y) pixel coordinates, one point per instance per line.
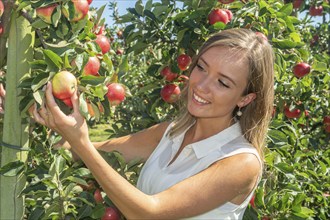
(230, 179)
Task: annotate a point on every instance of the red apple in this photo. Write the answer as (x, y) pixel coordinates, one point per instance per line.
(120, 34)
(89, 1)
(119, 51)
(225, 1)
(294, 113)
(265, 218)
(45, 13)
(218, 15)
(64, 84)
(68, 102)
(301, 69)
(184, 61)
(252, 202)
(314, 40)
(1, 29)
(316, 10)
(116, 93)
(297, 3)
(170, 93)
(229, 13)
(2, 8)
(168, 74)
(103, 43)
(111, 213)
(262, 36)
(92, 66)
(326, 120)
(81, 8)
(98, 196)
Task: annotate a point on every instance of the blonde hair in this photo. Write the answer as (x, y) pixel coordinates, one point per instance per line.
(257, 114)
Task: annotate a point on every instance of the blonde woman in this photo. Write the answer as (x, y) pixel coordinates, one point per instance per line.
(206, 164)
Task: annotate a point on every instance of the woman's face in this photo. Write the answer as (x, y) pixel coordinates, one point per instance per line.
(217, 84)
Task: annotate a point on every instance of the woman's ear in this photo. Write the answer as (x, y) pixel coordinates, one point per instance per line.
(247, 99)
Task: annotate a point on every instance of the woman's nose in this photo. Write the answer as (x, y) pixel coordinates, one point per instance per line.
(204, 84)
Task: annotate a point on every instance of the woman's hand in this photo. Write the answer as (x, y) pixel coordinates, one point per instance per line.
(72, 128)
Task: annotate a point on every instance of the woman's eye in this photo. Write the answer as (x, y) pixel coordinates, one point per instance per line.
(199, 67)
(223, 84)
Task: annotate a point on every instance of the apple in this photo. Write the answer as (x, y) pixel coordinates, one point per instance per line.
(226, 1)
(316, 10)
(89, 1)
(2, 8)
(314, 40)
(262, 36)
(326, 120)
(170, 93)
(103, 43)
(184, 61)
(98, 196)
(229, 13)
(297, 3)
(1, 29)
(92, 66)
(68, 102)
(301, 69)
(111, 213)
(252, 202)
(120, 34)
(265, 218)
(119, 51)
(116, 93)
(294, 113)
(81, 8)
(218, 15)
(168, 74)
(45, 13)
(64, 84)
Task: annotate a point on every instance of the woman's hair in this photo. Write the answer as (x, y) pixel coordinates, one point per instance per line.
(257, 114)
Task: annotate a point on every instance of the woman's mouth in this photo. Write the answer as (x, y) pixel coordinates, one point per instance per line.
(199, 99)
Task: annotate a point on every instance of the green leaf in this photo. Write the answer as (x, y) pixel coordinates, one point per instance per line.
(99, 13)
(319, 66)
(123, 66)
(150, 15)
(219, 25)
(82, 172)
(83, 109)
(277, 137)
(139, 7)
(57, 166)
(53, 61)
(92, 80)
(284, 167)
(287, 9)
(12, 168)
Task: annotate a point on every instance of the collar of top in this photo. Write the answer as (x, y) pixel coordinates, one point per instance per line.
(204, 147)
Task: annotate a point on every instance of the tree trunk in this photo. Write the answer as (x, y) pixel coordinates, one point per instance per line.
(15, 127)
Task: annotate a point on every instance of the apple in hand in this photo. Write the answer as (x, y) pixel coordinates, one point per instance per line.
(168, 74)
(111, 213)
(116, 93)
(92, 66)
(2, 8)
(316, 10)
(64, 84)
(294, 113)
(81, 8)
(184, 61)
(170, 93)
(103, 43)
(218, 15)
(45, 13)
(301, 69)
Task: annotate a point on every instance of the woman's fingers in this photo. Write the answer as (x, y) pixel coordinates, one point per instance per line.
(36, 114)
(51, 105)
(75, 102)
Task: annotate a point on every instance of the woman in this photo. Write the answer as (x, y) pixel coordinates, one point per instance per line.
(205, 164)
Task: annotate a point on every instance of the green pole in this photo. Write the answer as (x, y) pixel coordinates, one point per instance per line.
(15, 127)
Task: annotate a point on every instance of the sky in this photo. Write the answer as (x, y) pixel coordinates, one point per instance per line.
(124, 4)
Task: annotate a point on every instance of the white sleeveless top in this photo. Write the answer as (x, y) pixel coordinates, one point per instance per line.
(156, 175)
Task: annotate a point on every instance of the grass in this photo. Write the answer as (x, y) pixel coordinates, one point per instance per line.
(98, 132)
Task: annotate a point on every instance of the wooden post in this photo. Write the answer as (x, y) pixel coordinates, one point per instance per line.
(15, 127)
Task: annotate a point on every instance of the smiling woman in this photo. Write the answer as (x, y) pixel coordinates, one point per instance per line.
(214, 145)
